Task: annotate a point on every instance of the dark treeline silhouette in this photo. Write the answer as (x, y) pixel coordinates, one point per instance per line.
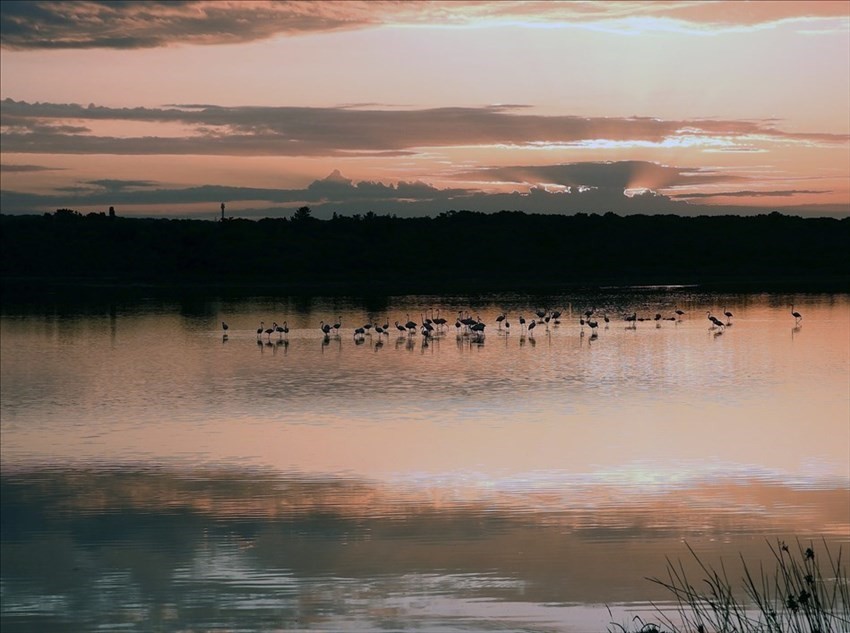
(455, 249)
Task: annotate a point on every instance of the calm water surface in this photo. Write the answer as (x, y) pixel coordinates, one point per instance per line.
(157, 475)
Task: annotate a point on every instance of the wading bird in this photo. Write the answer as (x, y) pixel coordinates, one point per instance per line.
(797, 316)
(714, 320)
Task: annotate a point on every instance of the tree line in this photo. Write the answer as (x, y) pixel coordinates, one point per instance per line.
(505, 249)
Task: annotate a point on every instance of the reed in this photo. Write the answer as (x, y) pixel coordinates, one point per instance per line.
(806, 592)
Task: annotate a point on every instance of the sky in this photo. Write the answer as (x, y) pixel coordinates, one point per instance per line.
(416, 108)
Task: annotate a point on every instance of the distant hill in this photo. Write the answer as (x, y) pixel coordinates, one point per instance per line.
(454, 250)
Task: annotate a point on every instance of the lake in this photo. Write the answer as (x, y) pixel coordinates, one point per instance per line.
(161, 474)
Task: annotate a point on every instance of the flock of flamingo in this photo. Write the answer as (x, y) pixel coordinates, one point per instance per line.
(466, 325)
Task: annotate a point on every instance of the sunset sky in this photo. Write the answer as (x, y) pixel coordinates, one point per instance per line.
(415, 108)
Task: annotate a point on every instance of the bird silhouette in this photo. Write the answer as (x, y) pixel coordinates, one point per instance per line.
(325, 327)
(797, 316)
(410, 325)
(224, 326)
(715, 321)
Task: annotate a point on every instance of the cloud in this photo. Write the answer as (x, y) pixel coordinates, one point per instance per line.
(335, 189)
(341, 131)
(27, 168)
(337, 194)
(131, 24)
(750, 194)
(134, 24)
(618, 175)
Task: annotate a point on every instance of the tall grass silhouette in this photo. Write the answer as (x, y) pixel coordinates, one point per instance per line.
(806, 592)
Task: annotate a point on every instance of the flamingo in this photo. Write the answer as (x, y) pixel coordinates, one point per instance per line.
(278, 329)
(500, 318)
(531, 325)
(410, 325)
(325, 327)
(716, 322)
(269, 330)
(679, 313)
(797, 316)
(400, 327)
(285, 328)
(260, 329)
(224, 327)
(521, 321)
(428, 326)
(338, 324)
(728, 315)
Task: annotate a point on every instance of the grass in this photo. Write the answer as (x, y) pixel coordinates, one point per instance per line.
(807, 591)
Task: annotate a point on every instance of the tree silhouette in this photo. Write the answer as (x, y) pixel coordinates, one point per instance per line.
(302, 214)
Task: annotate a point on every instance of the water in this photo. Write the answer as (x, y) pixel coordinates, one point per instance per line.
(157, 475)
